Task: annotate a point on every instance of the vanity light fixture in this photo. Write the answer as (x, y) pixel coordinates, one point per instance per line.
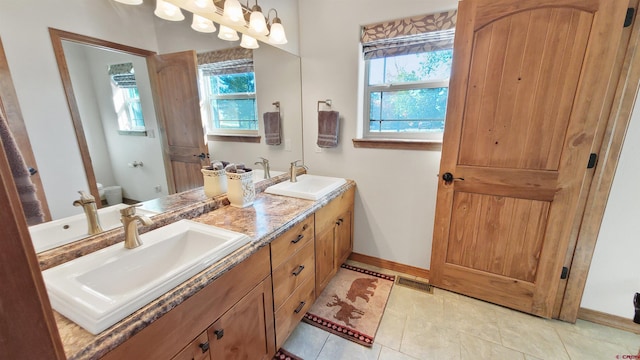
(233, 11)
(203, 25)
(276, 30)
(257, 22)
(203, 4)
(167, 11)
(227, 33)
(248, 42)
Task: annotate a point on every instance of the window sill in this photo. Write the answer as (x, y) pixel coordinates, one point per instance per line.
(235, 138)
(398, 144)
(132, 132)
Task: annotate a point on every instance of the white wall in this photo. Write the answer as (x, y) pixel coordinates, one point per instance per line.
(614, 276)
(395, 201)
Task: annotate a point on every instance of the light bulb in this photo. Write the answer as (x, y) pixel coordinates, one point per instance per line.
(202, 24)
(228, 34)
(277, 35)
(233, 11)
(130, 2)
(167, 11)
(202, 3)
(248, 42)
(257, 22)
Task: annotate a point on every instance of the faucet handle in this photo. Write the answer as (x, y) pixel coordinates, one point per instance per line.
(264, 160)
(129, 210)
(295, 163)
(85, 198)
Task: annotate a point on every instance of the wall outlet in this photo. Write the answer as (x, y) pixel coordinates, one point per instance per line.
(287, 144)
(158, 188)
(151, 133)
(318, 149)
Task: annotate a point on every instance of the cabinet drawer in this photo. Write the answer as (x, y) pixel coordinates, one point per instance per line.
(292, 311)
(291, 241)
(198, 349)
(295, 271)
(327, 215)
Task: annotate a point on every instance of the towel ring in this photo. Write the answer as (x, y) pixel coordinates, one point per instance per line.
(326, 102)
(276, 104)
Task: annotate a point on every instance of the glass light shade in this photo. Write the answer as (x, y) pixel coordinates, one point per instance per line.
(201, 24)
(228, 34)
(257, 22)
(277, 35)
(130, 2)
(248, 42)
(233, 11)
(203, 3)
(167, 11)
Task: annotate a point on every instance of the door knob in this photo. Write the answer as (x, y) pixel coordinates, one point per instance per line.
(448, 178)
(202, 156)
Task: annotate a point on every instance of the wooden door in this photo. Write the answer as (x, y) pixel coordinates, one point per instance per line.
(325, 255)
(174, 82)
(246, 331)
(526, 94)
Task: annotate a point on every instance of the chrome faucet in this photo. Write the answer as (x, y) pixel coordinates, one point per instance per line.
(130, 220)
(88, 203)
(294, 169)
(265, 166)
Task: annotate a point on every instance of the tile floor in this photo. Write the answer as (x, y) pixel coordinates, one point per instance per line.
(445, 325)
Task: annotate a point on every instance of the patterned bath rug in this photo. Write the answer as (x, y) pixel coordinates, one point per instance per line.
(283, 354)
(352, 304)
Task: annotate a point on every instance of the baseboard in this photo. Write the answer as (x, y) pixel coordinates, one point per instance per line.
(390, 265)
(613, 321)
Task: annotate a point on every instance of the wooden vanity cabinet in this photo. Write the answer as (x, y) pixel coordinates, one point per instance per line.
(293, 273)
(334, 237)
(240, 302)
(198, 349)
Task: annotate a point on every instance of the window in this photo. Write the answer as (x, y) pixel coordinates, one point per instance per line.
(407, 76)
(228, 91)
(126, 99)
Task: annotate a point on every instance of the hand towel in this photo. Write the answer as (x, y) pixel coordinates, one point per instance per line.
(272, 128)
(26, 189)
(327, 129)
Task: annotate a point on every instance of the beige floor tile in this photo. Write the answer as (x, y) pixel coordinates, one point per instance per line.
(531, 357)
(415, 303)
(528, 335)
(391, 354)
(306, 341)
(390, 331)
(475, 348)
(600, 332)
(426, 340)
(583, 347)
(470, 318)
(337, 348)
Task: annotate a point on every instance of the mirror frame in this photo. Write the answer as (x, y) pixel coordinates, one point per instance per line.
(57, 36)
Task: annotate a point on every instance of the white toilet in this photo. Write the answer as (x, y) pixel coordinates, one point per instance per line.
(101, 191)
(113, 194)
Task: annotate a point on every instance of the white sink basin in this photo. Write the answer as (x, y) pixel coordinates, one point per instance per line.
(100, 289)
(310, 187)
(55, 233)
(258, 174)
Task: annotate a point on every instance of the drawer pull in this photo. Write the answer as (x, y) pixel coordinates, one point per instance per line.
(297, 240)
(204, 347)
(219, 333)
(298, 270)
(305, 227)
(299, 308)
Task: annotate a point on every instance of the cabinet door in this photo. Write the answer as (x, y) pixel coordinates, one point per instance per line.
(324, 258)
(198, 349)
(246, 331)
(343, 240)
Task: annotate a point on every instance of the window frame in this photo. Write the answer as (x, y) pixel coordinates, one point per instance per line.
(390, 87)
(209, 97)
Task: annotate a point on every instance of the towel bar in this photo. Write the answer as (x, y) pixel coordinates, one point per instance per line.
(326, 102)
(276, 104)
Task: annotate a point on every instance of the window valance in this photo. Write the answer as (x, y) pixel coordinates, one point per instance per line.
(228, 61)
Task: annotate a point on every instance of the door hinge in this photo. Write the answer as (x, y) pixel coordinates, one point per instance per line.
(565, 272)
(593, 159)
(628, 20)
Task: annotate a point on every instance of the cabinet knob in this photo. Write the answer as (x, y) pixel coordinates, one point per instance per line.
(204, 347)
(339, 221)
(219, 333)
(299, 308)
(298, 270)
(297, 240)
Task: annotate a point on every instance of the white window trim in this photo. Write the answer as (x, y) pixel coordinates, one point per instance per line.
(368, 89)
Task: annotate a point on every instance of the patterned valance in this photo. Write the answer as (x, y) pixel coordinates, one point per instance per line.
(228, 61)
(123, 75)
(409, 36)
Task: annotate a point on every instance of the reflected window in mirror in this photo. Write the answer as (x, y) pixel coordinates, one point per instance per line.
(126, 99)
(228, 91)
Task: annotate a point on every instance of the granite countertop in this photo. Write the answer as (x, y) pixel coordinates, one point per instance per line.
(265, 220)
